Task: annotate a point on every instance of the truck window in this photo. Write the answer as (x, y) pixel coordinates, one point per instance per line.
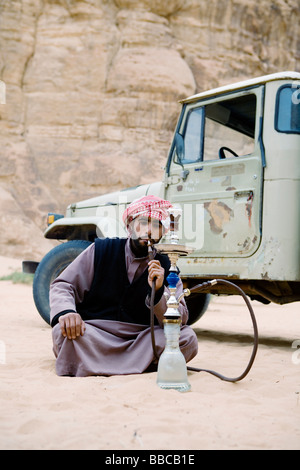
(229, 123)
(287, 116)
(193, 136)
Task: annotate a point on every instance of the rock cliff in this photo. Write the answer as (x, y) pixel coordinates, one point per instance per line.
(92, 90)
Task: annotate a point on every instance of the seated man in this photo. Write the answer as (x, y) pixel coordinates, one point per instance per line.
(100, 303)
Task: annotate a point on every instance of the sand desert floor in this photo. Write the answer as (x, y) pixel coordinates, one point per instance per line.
(39, 410)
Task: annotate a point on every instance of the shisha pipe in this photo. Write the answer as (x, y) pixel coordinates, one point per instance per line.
(174, 250)
(172, 370)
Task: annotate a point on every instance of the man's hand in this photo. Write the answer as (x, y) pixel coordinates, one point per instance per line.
(71, 325)
(155, 271)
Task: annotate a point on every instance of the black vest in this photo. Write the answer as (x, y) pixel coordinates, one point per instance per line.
(111, 296)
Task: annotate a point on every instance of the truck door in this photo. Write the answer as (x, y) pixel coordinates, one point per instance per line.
(215, 173)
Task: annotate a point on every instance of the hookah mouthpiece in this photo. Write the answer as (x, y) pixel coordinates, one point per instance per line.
(150, 249)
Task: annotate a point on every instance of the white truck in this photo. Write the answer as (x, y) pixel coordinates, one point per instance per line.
(234, 169)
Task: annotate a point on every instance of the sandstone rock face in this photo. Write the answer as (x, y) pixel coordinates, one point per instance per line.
(92, 90)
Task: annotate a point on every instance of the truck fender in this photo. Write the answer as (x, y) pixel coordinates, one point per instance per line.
(78, 227)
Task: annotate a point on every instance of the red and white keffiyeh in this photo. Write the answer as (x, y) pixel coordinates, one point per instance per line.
(148, 206)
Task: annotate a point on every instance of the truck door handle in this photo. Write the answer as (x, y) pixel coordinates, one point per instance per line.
(243, 195)
(184, 174)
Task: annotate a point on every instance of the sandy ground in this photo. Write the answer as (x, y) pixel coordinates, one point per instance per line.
(39, 410)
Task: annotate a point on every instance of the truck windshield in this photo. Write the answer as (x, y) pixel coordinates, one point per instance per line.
(287, 117)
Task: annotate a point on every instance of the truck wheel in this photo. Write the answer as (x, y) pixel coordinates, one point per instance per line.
(49, 268)
(197, 305)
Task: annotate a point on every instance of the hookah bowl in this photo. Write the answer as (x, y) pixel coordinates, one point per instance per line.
(172, 369)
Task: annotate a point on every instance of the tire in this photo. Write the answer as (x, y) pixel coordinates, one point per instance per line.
(49, 268)
(197, 305)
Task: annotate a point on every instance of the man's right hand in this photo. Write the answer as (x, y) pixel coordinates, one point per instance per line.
(71, 325)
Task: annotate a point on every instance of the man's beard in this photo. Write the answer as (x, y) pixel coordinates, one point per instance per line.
(139, 246)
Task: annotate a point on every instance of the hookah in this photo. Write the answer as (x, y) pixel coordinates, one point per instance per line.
(172, 368)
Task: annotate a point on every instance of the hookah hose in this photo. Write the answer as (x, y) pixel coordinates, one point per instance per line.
(152, 321)
(198, 288)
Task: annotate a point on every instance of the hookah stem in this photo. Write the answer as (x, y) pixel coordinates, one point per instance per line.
(202, 286)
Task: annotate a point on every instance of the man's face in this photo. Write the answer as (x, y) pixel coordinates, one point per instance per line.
(143, 229)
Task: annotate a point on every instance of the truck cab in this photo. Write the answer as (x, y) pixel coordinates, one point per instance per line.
(233, 168)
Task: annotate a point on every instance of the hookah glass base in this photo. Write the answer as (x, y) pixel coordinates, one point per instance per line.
(172, 371)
